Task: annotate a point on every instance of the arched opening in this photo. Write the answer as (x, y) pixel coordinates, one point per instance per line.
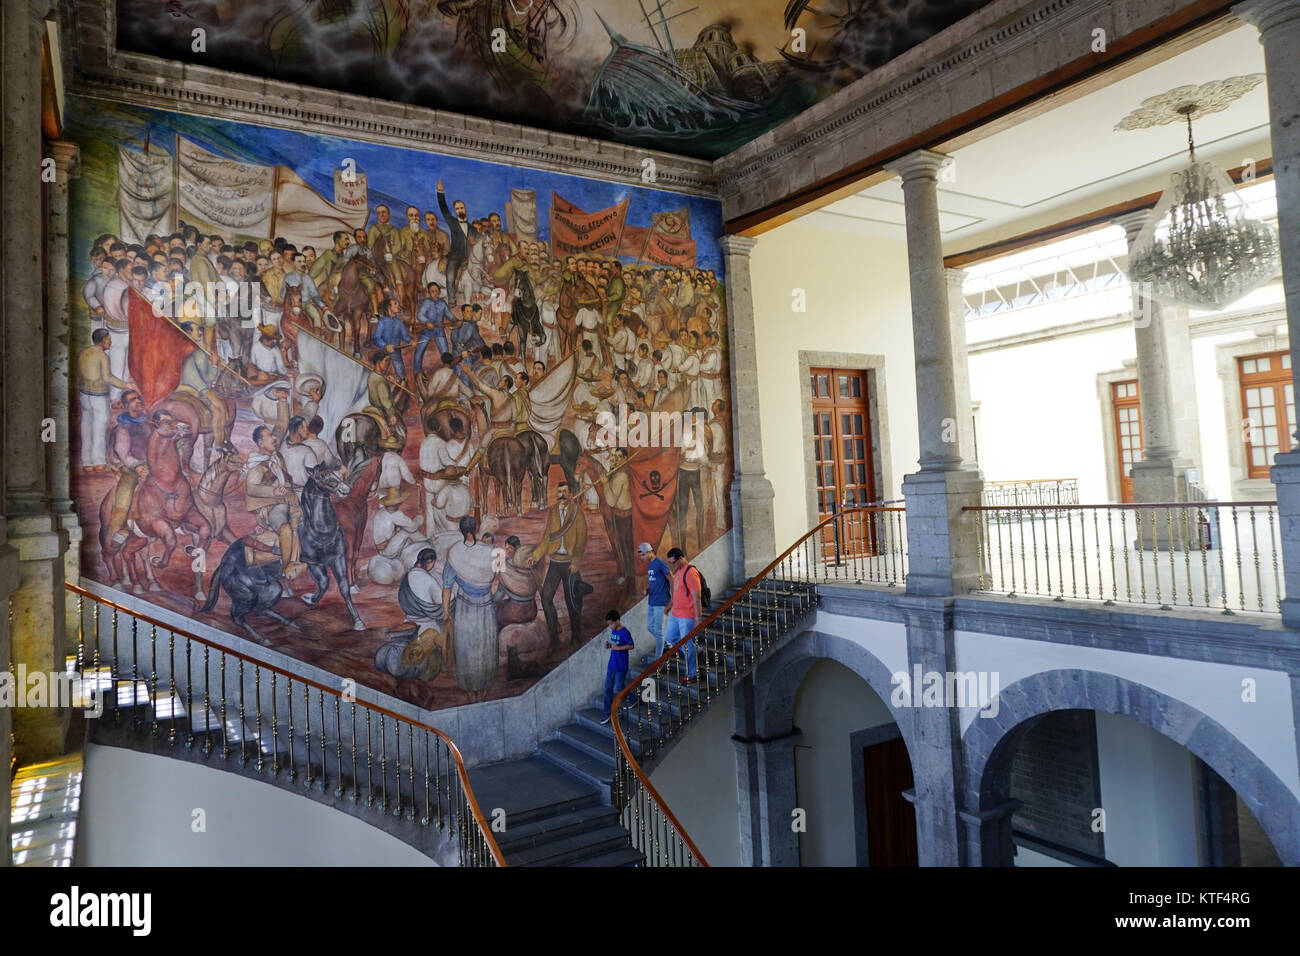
(853, 774)
(1096, 788)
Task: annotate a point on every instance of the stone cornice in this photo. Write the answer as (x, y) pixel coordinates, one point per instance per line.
(1267, 14)
(947, 86)
(737, 245)
(103, 72)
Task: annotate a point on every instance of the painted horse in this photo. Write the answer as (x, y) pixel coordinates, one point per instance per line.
(352, 303)
(165, 503)
(322, 542)
(210, 493)
(352, 510)
(197, 419)
(253, 589)
(525, 316)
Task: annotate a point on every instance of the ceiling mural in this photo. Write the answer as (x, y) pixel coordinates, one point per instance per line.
(696, 77)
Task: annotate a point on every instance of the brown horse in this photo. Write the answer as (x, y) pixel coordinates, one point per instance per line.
(166, 504)
(210, 493)
(198, 425)
(352, 511)
(125, 563)
(352, 304)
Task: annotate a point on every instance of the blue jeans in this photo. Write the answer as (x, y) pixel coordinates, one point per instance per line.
(654, 622)
(614, 681)
(425, 338)
(679, 627)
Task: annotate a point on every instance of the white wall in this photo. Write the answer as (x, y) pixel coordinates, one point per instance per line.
(1148, 793)
(138, 810)
(858, 301)
(832, 703)
(698, 781)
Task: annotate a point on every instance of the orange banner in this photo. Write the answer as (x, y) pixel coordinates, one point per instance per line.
(158, 350)
(574, 232)
(654, 486)
(665, 250)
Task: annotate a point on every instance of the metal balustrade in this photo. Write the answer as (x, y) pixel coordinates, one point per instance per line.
(1224, 555)
(862, 545)
(1037, 491)
(193, 692)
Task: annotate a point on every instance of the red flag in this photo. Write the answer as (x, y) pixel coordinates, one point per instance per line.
(574, 232)
(653, 472)
(665, 250)
(633, 240)
(157, 350)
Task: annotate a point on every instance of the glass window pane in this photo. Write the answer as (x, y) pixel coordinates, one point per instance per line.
(823, 387)
(844, 386)
(1248, 367)
(861, 450)
(851, 496)
(848, 474)
(827, 452)
(1286, 360)
(857, 387)
(857, 424)
(1265, 364)
(1270, 415)
(1257, 456)
(846, 424)
(862, 474)
(848, 448)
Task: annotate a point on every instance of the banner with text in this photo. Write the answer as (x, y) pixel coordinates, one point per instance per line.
(574, 232)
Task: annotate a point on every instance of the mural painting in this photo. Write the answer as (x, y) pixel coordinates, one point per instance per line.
(698, 77)
(400, 415)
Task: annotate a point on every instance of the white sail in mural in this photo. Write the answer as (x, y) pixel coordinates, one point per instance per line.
(345, 382)
(550, 398)
(233, 196)
(306, 218)
(521, 211)
(144, 192)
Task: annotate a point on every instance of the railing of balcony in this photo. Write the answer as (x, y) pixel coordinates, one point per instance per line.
(1036, 491)
(196, 692)
(1224, 555)
(862, 544)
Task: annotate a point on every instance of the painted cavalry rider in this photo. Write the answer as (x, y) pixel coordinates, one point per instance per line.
(198, 374)
(128, 456)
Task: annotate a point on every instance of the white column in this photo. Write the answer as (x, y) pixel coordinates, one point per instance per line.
(942, 548)
(753, 526)
(1279, 32)
(960, 364)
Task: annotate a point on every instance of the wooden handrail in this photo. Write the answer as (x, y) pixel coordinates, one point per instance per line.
(699, 629)
(461, 772)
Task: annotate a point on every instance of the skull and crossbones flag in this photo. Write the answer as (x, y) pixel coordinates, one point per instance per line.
(654, 487)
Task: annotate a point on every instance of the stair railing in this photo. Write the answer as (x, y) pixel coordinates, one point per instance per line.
(237, 688)
(855, 544)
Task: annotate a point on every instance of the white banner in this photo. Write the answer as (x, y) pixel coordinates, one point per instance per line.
(306, 218)
(350, 190)
(345, 382)
(144, 193)
(230, 195)
(521, 211)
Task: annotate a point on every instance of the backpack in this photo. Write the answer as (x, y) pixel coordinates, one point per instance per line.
(706, 596)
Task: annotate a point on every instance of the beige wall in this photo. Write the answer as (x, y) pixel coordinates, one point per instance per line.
(857, 302)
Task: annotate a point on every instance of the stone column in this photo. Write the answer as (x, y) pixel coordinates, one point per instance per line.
(1279, 32)
(58, 347)
(1159, 476)
(765, 777)
(960, 364)
(38, 631)
(943, 552)
(988, 839)
(753, 527)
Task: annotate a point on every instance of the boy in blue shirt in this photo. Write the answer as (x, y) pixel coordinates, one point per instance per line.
(658, 592)
(390, 335)
(620, 640)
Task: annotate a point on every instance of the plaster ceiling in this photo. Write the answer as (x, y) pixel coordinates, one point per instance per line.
(1072, 160)
(696, 77)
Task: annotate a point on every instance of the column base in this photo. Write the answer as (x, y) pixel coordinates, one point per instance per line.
(987, 835)
(1161, 480)
(754, 527)
(1285, 476)
(765, 778)
(37, 640)
(942, 541)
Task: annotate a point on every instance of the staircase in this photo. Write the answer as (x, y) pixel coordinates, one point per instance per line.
(165, 690)
(559, 803)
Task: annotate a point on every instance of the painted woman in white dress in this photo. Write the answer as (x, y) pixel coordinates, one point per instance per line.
(472, 621)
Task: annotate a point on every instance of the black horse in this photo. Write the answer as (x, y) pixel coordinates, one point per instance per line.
(524, 314)
(567, 450)
(252, 590)
(322, 544)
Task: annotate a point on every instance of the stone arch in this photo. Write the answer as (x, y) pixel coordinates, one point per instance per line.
(989, 744)
(778, 681)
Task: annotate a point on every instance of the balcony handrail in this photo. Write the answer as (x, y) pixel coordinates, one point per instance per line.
(1127, 505)
(621, 738)
(479, 819)
(1029, 481)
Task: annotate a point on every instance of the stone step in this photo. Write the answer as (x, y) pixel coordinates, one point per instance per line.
(596, 771)
(627, 856)
(555, 827)
(574, 848)
(533, 788)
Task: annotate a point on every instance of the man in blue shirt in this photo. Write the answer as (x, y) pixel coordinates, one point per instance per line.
(467, 336)
(390, 335)
(659, 591)
(619, 643)
(435, 320)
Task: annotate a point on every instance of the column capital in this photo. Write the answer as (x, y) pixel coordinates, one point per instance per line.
(1132, 223)
(955, 278)
(1267, 14)
(922, 164)
(66, 156)
(737, 245)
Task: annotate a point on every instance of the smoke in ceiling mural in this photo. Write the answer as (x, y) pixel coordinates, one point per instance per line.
(698, 78)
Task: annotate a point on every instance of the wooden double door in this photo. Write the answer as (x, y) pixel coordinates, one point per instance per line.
(844, 468)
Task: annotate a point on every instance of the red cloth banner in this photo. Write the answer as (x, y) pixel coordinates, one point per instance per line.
(157, 352)
(653, 472)
(574, 232)
(665, 250)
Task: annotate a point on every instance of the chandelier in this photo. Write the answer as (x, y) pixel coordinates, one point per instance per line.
(1201, 246)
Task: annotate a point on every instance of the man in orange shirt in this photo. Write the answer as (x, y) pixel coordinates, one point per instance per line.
(683, 612)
